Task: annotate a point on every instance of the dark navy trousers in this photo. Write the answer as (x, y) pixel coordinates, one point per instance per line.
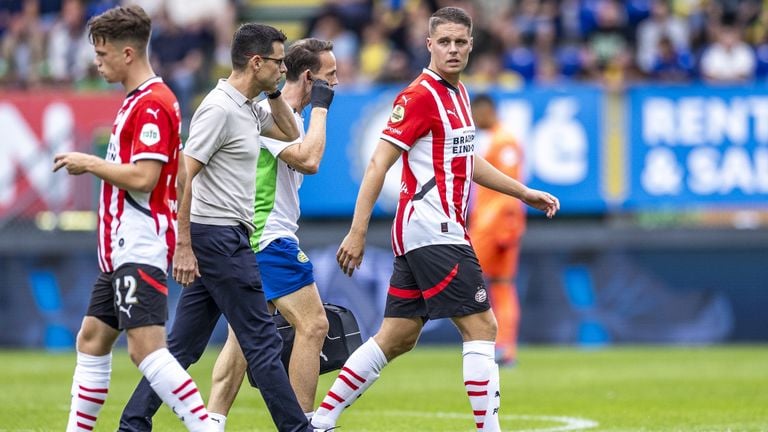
(230, 284)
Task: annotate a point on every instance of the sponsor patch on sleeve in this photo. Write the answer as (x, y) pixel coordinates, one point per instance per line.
(398, 112)
(150, 134)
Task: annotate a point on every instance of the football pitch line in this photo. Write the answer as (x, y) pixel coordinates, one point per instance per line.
(565, 423)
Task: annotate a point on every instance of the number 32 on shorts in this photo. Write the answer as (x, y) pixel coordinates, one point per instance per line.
(129, 284)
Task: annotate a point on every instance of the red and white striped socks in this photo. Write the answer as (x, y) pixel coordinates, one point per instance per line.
(481, 379)
(359, 372)
(90, 385)
(177, 389)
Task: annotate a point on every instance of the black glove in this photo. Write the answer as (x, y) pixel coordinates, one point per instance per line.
(322, 94)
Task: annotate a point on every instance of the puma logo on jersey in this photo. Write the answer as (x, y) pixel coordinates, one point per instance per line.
(125, 310)
(451, 112)
(405, 99)
(153, 112)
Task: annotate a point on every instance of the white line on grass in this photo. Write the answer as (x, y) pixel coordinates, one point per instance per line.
(568, 423)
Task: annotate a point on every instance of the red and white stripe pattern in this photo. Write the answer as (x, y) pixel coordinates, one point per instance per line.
(90, 386)
(478, 398)
(481, 380)
(432, 122)
(184, 391)
(88, 405)
(144, 220)
(347, 388)
(177, 389)
(359, 372)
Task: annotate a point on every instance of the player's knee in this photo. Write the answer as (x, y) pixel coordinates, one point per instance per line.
(493, 329)
(313, 327)
(406, 345)
(488, 328)
(136, 357)
(396, 347)
(86, 341)
(91, 341)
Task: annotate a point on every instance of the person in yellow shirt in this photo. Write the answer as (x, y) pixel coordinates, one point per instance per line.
(496, 225)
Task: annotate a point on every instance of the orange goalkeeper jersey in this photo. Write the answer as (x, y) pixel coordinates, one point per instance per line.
(494, 212)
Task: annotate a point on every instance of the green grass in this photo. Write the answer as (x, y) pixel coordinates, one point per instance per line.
(621, 389)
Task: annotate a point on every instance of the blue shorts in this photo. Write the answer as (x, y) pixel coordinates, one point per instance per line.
(284, 268)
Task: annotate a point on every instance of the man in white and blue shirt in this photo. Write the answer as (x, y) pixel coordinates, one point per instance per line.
(286, 271)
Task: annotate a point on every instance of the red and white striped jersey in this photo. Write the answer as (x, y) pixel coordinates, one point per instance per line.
(138, 227)
(431, 120)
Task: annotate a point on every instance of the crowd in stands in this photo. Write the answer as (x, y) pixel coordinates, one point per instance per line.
(516, 42)
(44, 43)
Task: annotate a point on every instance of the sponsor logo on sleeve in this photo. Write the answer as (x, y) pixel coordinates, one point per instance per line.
(398, 112)
(150, 134)
(393, 131)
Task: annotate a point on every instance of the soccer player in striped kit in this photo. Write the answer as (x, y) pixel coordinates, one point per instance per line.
(436, 273)
(136, 230)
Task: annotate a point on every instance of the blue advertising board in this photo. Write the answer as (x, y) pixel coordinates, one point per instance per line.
(559, 128)
(560, 131)
(697, 146)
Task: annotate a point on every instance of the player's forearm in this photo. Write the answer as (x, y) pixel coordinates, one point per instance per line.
(370, 188)
(313, 146)
(283, 115)
(130, 176)
(487, 175)
(191, 168)
(181, 180)
(183, 236)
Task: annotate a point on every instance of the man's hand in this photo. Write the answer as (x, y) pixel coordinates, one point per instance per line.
(76, 163)
(543, 201)
(322, 94)
(185, 264)
(350, 253)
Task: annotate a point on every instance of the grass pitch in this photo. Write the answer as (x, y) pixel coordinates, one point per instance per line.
(618, 389)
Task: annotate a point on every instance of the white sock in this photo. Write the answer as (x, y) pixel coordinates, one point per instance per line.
(309, 415)
(481, 379)
(219, 420)
(359, 372)
(90, 386)
(177, 389)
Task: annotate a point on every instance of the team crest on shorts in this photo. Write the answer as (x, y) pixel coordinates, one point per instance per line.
(302, 257)
(481, 295)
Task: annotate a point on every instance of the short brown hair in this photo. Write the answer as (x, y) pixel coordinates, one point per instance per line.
(304, 54)
(121, 24)
(449, 15)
